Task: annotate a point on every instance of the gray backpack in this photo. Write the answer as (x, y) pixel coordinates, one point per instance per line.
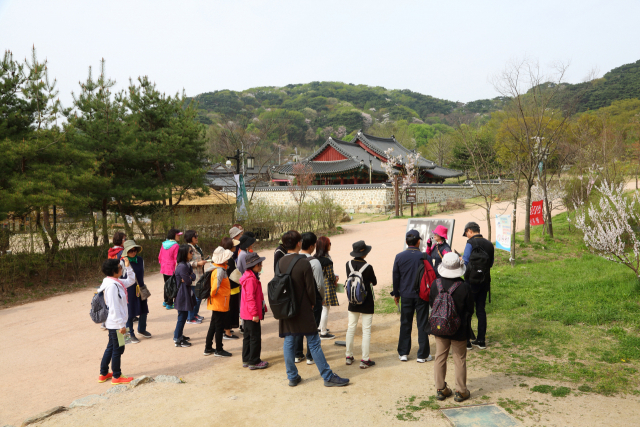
(99, 310)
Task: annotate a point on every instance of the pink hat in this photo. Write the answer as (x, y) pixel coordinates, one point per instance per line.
(441, 231)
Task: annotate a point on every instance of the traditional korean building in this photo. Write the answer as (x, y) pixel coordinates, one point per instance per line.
(359, 161)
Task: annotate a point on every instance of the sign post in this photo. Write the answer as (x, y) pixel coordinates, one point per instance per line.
(536, 217)
(410, 196)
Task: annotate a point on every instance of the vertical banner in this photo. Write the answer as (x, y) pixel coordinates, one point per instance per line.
(503, 232)
(536, 217)
(241, 196)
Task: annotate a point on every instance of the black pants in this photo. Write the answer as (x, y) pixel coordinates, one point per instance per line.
(481, 301)
(252, 342)
(232, 319)
(421, 309)
(299, 340)
(112, 355)
(168, 300)
(216, 327)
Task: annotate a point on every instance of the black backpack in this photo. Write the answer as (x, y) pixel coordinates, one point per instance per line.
(478, 265)
(203, 287)
(281, 294)
(171, 287)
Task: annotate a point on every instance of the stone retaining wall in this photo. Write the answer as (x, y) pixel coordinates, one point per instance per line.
(369, 198)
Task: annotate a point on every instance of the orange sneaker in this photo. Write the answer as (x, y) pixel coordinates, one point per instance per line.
(122, 380)
(103, 378)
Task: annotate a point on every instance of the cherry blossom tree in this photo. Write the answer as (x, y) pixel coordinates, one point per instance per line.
(608, 226)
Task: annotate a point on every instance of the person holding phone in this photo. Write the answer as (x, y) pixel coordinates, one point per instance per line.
(197, 264)
(115, 297)
(440, 248)
(185, 299)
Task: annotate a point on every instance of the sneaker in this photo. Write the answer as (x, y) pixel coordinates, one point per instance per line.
(327, 336)
(294, 382)
(193, 322)
(261, 365)
(364, 364)
(444, 393)
(164, 304)
(199, 317)
(135, 319)
(134, 340)
(311, 362)
(223, 353)
(145, 334)
(169, 307)
(404, 358)
(208, 351)
(349, 360)
(104, 378)
(183, 343)
(245, 365)
(480, 344)
(320, 330)
(230, 337)
(184, 337)
(336, 381)
(122, 380)
(298, 359)
(428, 359)
(462, 397)
(469, 346)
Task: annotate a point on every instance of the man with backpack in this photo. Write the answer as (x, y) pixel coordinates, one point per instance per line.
(452, 302)
(478, 258)
(405, 268)
(294, 275)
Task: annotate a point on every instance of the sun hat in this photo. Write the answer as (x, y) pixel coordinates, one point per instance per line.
(130, 244)
(221, 255)
(246, 241)
(253, 259)
(360, 249)
(451, 267)
(441, 231)
(235, 242)
(413, 233)
(234, 232)
(468, 226)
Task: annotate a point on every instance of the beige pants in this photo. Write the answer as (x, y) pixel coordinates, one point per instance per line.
(367, 319)
(459, 359)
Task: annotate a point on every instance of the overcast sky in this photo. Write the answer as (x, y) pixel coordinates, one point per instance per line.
(447, 49)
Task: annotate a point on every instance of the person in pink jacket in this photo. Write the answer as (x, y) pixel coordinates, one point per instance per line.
(252, 309)
(167, 259)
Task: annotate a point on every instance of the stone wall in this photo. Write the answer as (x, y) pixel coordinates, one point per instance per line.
(369, 198)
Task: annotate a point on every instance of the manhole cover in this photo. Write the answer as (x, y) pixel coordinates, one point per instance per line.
(479, 416)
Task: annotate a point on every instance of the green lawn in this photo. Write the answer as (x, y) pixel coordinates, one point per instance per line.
(562, 314)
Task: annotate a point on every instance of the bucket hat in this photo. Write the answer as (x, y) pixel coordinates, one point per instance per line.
(234, 231)
(246, 240)
(441, 231)
(130, 244)
(253, 259)
(451, 267)
(360, 249)
(221, 255)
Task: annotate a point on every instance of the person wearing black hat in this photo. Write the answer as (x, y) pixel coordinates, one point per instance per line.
(246, 246)
(405, 268)
(479, 290)
(360, 252)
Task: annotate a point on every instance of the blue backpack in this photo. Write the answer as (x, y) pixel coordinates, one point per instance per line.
(354, 286)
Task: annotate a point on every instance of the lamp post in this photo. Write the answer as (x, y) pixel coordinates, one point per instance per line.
(370, 167)
(237, 158)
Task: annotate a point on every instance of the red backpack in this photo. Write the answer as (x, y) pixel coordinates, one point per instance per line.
(424, 278)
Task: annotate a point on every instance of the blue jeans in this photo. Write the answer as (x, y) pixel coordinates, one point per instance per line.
(182, 319)
(142, 324)
(112, 354)
(313, 342)
(196, 308)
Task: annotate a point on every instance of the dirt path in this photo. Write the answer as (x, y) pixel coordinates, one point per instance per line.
(51, 353)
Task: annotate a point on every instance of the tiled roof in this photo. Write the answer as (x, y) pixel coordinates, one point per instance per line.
(441, 172)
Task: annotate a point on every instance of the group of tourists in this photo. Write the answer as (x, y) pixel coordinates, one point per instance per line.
(439, 287)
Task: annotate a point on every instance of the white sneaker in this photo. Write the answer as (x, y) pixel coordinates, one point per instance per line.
(298, 359)
(428, 359)
(311, 362)
(403, 358)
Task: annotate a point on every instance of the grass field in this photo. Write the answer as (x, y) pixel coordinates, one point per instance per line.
(561, 314)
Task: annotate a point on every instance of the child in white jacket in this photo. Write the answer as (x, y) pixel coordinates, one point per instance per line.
(115, 296)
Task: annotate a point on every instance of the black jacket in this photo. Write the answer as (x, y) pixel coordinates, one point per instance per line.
(487, 246)
(370, 280)
(463, 300)
(278, 254)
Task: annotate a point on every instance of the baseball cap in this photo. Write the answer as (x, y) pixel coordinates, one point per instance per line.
(413, 233)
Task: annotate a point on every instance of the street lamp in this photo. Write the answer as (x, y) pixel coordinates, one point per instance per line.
(238, 160)
(250, 162)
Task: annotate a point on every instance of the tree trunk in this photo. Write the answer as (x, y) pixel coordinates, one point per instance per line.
(512, 256)
(105, 230)
(127, 228)
(141, 227)
(55, 243)
(548, 222)
(527, 216)
(94, 229)
(488, 211)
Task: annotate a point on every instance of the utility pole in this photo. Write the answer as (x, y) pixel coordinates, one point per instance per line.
(395, 188)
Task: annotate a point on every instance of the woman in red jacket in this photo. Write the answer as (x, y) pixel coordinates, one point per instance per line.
(252, 309)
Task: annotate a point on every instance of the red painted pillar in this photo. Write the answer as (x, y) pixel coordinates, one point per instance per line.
(355, 180)
(341, 180)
